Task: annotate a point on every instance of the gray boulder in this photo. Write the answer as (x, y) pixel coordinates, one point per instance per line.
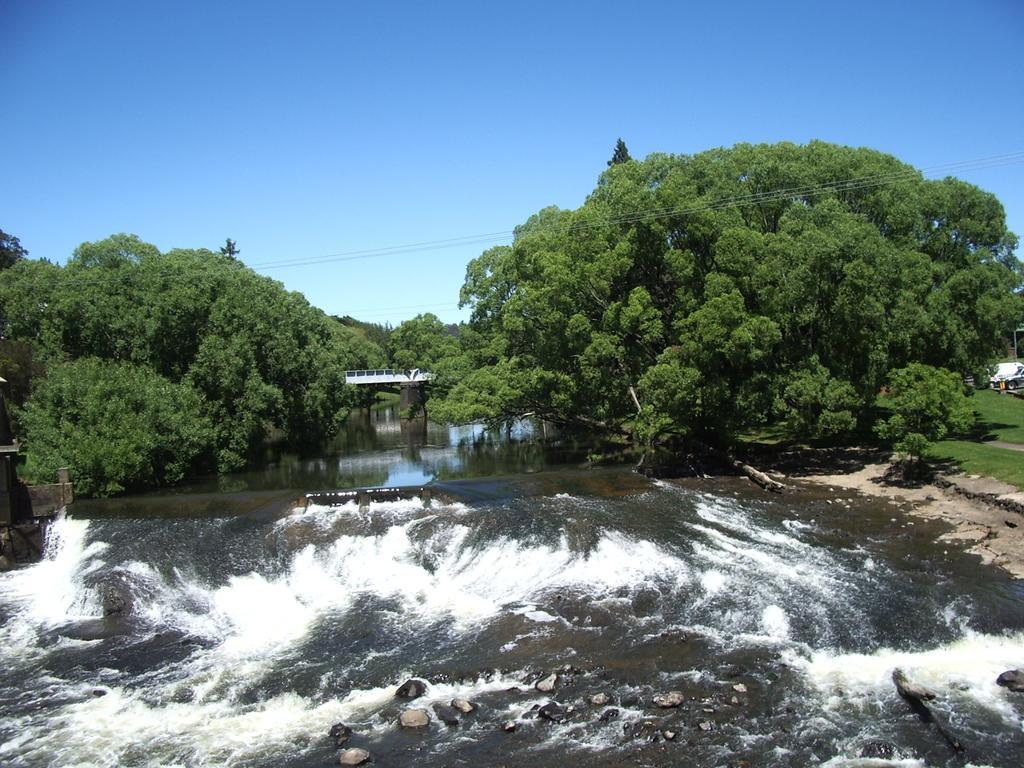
(414, 718)
(354, 756)
(1012, 679)
(668, 700)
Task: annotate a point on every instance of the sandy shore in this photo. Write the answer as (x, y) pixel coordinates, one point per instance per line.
(990, 531)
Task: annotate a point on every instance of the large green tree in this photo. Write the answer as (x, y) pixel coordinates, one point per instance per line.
(703, 295)
(264, 360)
(118, 426)
(11, 251)
(422, 342)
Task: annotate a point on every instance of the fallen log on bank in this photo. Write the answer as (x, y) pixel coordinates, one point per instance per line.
(916, 696)
(759, 477)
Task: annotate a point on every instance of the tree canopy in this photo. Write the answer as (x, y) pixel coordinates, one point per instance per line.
(261, 360)
(11, 251)
(707, 294)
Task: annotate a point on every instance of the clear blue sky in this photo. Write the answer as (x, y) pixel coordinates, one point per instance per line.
(304, 129)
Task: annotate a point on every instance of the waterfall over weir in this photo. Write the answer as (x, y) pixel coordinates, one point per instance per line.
(239, 640)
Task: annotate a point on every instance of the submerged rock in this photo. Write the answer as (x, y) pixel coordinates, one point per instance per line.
(547, 685)
(1012, 679)
(878, 749)
(412, 688)
(600, 699)
(340, 733)
(447, 715)
(552, 711)
(414, 718)
(354, 756)
(465, 706)
(668, 700)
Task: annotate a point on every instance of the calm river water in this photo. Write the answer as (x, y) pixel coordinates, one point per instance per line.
(243, 627)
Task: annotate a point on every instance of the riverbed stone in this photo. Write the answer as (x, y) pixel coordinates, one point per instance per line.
(600, 699)
(878, 749)
(414, 718)
(340, 733)
(465, 706)
(447, 715)
(1012, 679)
(510, 726)
(740, 688)
(354, 756)
(547, 685)
(706, 725)
(668, 700)
(412, 688)
(609, 714)
(552, 711)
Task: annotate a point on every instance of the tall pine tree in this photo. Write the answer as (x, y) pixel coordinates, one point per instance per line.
(621, 154)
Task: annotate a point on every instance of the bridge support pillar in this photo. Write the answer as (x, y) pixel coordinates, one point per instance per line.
(412, 396)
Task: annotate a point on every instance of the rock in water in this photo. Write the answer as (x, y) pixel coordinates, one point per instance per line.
(414, 718)
(412, 688)
(552, 711)
(909, 690)
(740, 688)
(463, 705)
(340, 733)
(354, 757)
(547, 685)
(877, 748)
(447, 715)
(509, 727)
(1012, 679)
(706, 725)
(600, 699)
(609, 714)
(668, 700)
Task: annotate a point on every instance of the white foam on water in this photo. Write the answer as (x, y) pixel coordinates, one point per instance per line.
(872, 762)
(964, 670)
(102, 731)
(775, 622)
(49, 590)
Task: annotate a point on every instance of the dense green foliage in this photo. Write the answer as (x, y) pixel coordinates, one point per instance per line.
(262, 360)
(704, 295)
(621, 154)
(423, 342)
(927, 404)
(120, 426)
(11, 251)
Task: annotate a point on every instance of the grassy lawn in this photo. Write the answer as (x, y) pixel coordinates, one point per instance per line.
(981, 459)
(1001, 417)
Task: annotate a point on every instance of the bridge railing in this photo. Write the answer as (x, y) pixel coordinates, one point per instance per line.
(379, 375)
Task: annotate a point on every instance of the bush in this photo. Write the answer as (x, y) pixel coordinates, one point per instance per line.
(927, 405)
(117, 426)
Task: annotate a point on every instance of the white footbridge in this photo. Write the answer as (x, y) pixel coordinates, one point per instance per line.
(388, 376)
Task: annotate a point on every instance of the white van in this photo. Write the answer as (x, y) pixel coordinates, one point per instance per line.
(1011, 373)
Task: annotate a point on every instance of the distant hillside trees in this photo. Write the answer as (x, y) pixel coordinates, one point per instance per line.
(251, 358)
(701, 296)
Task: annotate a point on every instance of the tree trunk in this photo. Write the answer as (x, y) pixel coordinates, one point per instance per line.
(753, 473)
(916, 696)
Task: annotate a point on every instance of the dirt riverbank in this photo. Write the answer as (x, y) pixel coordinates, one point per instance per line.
(980, 510)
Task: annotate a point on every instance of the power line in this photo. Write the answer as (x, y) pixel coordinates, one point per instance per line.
(842, 185)
(739, 201)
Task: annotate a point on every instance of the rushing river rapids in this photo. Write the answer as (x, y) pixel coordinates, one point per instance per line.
(241, 639)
